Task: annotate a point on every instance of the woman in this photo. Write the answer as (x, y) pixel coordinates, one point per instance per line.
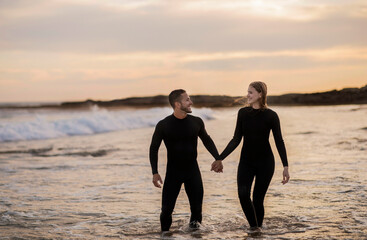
(257, 161)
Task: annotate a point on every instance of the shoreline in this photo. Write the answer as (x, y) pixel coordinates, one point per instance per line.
(346, 96)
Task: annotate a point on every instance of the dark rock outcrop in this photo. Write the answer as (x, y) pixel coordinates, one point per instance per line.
(344, 96)
(159, 100)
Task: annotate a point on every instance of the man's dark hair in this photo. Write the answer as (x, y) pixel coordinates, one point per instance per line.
(175, 96)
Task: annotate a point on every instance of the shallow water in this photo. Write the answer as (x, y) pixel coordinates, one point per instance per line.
(98, 186)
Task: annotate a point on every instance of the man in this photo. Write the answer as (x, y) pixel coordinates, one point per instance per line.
(180, 132)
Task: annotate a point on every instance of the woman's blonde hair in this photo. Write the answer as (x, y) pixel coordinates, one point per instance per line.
(261, 87)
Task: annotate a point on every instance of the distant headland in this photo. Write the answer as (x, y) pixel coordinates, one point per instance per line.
(334, 97)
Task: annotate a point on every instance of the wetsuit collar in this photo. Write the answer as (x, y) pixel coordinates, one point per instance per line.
(173, 114)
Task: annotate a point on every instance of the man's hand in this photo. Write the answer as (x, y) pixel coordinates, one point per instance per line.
(285, 175)
(217, 166)
(157, 180)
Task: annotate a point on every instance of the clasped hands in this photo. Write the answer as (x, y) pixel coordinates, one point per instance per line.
(217, 166)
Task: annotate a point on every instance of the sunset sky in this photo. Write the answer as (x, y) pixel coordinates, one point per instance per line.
(63, 50)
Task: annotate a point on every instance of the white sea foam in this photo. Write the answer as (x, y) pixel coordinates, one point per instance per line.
(55, 124)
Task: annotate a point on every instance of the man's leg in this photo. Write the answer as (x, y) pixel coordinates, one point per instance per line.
(171, 189)
(195, 192)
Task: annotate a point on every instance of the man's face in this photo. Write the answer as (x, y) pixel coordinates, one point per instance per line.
(185, 103)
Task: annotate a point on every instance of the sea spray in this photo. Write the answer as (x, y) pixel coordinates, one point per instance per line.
(55, 124)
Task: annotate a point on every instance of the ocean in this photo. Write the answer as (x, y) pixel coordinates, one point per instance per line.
(85, 174)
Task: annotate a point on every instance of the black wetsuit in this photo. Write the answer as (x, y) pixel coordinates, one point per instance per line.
(257, 159)
(180, 137)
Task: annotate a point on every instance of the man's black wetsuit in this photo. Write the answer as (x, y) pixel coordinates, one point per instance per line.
(180, 137)
(257, 159)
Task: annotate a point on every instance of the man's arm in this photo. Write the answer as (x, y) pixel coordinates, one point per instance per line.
(153, 154)
(217, 165)
(208, 141)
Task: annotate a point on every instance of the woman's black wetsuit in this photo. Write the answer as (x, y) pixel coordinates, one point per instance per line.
(257, 159)
(180, 137)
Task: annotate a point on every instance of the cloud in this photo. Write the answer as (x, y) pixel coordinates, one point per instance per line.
(75, 49)
(92, 28)
(266, 63)
(276, 60)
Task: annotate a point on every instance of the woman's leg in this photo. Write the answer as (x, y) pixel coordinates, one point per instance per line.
(264, 174)
(245, 177)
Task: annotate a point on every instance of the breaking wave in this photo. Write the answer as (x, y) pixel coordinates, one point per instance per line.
(56, 124)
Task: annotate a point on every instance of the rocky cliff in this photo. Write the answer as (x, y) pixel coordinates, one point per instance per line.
(344, 96)
(335, 97)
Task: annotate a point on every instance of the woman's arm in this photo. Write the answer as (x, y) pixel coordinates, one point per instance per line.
(237, 137)
(277, 133)
(279, 142)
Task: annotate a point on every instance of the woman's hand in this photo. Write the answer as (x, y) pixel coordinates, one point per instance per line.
(285, 175)
(157, 180)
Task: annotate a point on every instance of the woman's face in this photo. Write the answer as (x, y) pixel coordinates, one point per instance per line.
(252, 95)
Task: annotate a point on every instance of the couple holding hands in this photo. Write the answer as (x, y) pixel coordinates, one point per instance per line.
(180, 132)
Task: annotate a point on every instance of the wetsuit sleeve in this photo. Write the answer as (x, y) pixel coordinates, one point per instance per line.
(208, 141)
(277, 133)
(154, 147)
(237, 137)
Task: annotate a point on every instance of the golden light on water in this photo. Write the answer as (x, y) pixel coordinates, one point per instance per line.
(81, 186)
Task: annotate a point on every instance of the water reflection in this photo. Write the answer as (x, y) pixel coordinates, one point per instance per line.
(110, 195)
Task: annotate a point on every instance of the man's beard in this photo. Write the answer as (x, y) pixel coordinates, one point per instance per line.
(186, 109)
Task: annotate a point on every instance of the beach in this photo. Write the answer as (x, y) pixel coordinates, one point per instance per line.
(85, 174)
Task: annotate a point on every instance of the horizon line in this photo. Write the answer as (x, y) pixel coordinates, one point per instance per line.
(159, 94)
